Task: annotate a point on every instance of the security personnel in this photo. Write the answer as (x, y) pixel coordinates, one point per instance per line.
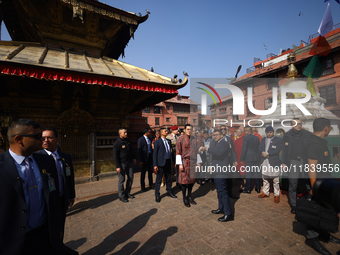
(318, 155)
(123, 155)
(294, 157)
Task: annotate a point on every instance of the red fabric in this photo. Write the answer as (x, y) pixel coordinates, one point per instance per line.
(258, 135)
(320, 47)
(238, 148)
(188, 149)
(56, 75)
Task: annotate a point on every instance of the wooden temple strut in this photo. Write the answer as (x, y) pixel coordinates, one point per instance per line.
(14, 52)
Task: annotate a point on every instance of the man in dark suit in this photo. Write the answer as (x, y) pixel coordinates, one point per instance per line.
(64, 167)
(250, 154)
(232, 159)
(270, 149)
(162, 161)
(30, 216)
(145, 158)
(219, 160)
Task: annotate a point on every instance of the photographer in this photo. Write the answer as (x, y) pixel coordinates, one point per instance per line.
(318, 155)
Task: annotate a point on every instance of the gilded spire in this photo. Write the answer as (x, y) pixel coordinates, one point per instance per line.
(292, 71)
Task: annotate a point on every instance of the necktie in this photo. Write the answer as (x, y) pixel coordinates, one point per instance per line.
(149, 145)
(60, 174)
(167, 149)
(32, 185)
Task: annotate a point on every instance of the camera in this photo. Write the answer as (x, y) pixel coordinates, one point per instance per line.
(327, 193)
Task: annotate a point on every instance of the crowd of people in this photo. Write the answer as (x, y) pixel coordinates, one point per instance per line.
(251, 157)
(37, 178)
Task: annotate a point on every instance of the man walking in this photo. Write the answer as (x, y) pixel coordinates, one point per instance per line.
(250, 154)
(162, 161)
(294, 157)
(219, 160)
(123, 156)
(145, 158)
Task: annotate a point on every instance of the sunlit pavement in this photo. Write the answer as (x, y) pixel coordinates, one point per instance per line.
(99, 223)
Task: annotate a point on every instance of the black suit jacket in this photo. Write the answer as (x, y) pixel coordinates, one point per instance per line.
(274, 150)
(250, 147)
(159, 153)
(69, 190)
(143, 151)
(13, 206)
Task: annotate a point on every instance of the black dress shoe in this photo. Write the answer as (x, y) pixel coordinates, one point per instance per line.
(192, 201)
(131, 196)
(226, 218)
(123, 199)
(246, 191)
(143, 189)
(186, 202)
(172, 195)
(217, 211)
(233, 197)
(293, 211)
(158, 199)
(329, 238)
(317, 246)
(258, 190)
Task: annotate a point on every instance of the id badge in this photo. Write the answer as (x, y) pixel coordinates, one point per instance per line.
(68, 171)
(51, 184)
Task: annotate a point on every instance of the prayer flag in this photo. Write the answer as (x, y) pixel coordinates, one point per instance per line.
(314, 68)
(327, 22)
(321, 47)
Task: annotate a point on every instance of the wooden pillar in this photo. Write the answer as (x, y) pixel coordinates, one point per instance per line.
(93, 154)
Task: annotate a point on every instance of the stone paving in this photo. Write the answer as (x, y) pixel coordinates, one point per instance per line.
(99, 223)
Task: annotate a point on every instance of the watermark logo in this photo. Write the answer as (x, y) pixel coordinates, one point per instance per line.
(204, 96)
(238, 99)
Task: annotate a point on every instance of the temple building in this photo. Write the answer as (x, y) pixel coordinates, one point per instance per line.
(61, 70)
(178, 111)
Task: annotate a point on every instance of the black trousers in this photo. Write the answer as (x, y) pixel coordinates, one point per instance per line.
(166, 170)
(147, 167)
(38, 242)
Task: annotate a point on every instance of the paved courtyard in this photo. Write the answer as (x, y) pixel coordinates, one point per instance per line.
(99, 223)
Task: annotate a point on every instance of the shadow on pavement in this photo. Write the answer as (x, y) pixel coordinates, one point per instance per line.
(203, 190)
(76, 243)
(122, 235)
(91, 204)
(155, 245)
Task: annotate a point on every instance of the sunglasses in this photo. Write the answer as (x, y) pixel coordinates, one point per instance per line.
(36, 136)
(223, 129)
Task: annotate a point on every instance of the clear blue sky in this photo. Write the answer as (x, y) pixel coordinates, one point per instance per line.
(210, 39)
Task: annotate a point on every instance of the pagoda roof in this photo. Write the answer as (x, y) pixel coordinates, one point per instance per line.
(88, 25)
(38, 62)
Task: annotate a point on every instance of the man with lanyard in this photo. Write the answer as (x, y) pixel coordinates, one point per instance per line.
(64, 167)
(162, 162)
(294, 157)
(318, 155)
(30, 215)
